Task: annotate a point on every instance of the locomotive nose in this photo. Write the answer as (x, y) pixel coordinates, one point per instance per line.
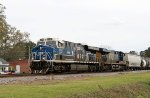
(40, 47)
(42, 52)
(39, 53)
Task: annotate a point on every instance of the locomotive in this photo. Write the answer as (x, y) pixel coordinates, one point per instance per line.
(53, 55)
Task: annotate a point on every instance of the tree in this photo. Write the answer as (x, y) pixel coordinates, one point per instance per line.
(133, 52)
(12, 41)
(147, 52)
(3, 23)
(142, 53)
(20, 51)
(28, 46)
(4, 27)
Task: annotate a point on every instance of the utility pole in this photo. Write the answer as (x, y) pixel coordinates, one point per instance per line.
(29, 56)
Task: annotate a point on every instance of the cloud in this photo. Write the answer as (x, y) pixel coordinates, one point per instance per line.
(114, 21)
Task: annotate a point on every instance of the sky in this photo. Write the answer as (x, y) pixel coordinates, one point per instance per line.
(122, 25)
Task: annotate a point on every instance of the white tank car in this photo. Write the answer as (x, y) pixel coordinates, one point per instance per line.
(147, 62)
(143, 63)
(134, 60)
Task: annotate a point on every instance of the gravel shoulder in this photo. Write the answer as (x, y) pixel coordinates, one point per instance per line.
(53, 78)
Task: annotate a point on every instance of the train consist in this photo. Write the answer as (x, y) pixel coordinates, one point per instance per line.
(53, 55)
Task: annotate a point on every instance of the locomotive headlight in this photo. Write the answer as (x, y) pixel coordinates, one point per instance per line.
(44, 58)
(40, 48)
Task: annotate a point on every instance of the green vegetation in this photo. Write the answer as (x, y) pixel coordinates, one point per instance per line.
(14, 44)
(136, 90)
(147, 52)
(91, 86)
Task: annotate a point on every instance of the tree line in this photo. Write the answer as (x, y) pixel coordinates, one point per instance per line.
(145, 53)
(14, 44)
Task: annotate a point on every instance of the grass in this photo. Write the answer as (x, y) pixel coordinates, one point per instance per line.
(75, 87)
(137, 90)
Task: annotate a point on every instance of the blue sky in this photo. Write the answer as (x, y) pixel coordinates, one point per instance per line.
(119, 24)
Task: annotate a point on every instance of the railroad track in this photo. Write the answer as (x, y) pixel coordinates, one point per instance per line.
(14, 75)
(28, 78)
(67, 73)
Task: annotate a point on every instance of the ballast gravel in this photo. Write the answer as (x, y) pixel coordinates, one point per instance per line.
(32, 79)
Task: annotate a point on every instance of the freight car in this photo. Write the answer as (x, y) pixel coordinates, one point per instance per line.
(53, 55)
(135, 62)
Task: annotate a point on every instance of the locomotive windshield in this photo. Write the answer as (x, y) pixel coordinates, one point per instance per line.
(40, 43)
(51, 43)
